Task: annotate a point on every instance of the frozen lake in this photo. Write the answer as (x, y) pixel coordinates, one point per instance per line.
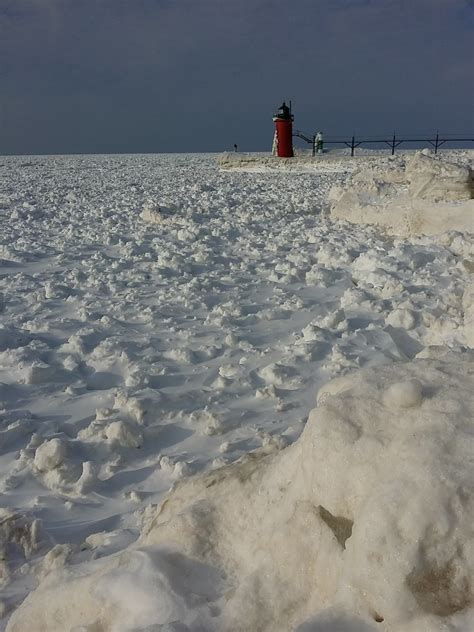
(134, 354)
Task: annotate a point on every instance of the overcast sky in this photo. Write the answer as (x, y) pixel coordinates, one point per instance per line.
(87, 76)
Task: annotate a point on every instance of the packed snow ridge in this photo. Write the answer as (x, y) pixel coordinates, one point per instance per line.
(167, 324)
(424, 194)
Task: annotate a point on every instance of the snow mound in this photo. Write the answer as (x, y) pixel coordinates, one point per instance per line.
(428, 195)
(434, 179)
(365, 523)
(155, 214)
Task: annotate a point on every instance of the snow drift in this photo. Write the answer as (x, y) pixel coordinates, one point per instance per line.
(365, 523)
(427, 195)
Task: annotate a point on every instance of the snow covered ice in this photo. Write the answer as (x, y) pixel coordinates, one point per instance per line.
(169, 324)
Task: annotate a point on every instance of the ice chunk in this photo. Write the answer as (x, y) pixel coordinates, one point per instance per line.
(124, 434)
(50, 454)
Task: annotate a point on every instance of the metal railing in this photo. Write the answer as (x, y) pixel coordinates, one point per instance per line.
(435, 141)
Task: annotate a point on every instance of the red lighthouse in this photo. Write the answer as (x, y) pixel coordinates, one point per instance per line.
(284, 131)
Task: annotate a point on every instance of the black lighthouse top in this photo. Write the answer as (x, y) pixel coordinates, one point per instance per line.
(283, 112)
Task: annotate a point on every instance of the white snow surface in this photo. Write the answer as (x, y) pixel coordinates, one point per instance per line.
(162, 319)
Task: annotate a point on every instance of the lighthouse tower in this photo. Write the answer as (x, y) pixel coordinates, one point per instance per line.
(284, 131)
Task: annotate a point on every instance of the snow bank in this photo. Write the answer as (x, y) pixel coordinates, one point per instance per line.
(365, 523)
(427, 195)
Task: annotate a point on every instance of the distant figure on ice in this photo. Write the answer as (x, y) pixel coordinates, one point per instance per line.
(319, 143)
(235, 147)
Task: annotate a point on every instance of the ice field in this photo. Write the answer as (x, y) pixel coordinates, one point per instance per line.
(160, 319)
